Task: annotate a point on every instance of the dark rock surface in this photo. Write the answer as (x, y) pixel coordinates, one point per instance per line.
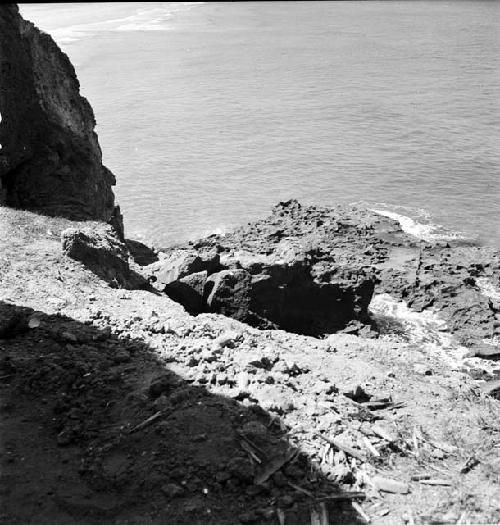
(279, 272)
(179, 263)
(50, 159)
(314, 270)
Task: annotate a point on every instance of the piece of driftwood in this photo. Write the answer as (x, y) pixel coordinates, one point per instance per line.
(252, 444)
(445, 447)
(301, 489)
(368, 444)
(248, 449)
(147, 422)
(442, 482)
(415, 441)
(348, 450)
(469, 465)
(357, 507)
(343, 496)
(418, 477)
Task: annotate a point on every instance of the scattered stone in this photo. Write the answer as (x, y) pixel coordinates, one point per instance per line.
(359, 395)
(227, 339)
(487, 351)
(422, 369)
(34, 322)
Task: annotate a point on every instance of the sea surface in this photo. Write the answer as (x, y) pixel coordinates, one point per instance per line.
(210, 113)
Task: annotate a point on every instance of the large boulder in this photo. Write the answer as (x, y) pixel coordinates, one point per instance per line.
(102, 252)
(50, 159)
(179, 263)
(228, 292)
(280, 273)
(189, 291)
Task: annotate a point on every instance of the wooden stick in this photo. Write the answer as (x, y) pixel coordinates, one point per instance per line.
(342, 496)
(442, 482)
(357, 507)
(147, 422)
(348, 450)
(300, 489)
(247, 448)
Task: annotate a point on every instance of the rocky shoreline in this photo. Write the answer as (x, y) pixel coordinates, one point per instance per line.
(235, 379)
(314, 271)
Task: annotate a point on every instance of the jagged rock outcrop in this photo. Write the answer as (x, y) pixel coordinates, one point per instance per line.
(102, 252)
(276, 273)
(50, 159)
(314, 270)
(288, 278)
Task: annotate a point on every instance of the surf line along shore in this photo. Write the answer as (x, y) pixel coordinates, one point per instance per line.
(263, 393)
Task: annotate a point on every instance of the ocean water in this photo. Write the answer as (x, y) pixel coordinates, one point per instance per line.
(209, 114)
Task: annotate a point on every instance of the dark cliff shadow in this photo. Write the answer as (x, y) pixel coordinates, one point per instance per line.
(294, 301)
(286, 297)
(142, 254)
(98, 428)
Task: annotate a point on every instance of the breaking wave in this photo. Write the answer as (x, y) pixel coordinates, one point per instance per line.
(157, 18)
(429, 332)
(420, 327)
(425, 231)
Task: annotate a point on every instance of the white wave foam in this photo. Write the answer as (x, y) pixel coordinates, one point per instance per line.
(490, 290)
(429, 331)
(422, 231)
(218, 230)
(424, 326)
(157, 18)
(426, 232)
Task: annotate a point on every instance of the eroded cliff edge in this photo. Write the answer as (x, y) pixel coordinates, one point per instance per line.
(50, 159)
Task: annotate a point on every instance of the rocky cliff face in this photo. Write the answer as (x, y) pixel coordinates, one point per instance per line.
(50, 159)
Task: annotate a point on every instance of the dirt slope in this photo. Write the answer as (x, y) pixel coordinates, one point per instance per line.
(236, 413)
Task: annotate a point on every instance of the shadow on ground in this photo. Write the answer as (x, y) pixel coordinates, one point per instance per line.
(97, 428)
